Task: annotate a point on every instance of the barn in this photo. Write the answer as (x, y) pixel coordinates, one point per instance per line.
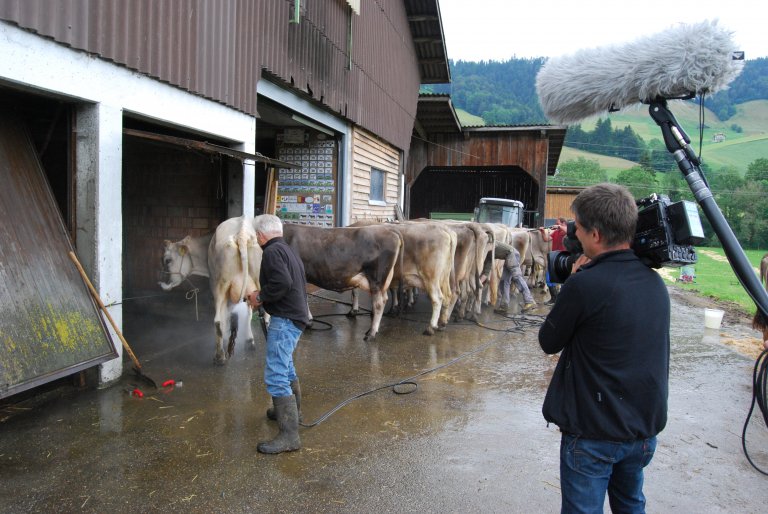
(146, 121)
(451, 167)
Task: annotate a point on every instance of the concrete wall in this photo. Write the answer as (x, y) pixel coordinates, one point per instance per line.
(107, 92)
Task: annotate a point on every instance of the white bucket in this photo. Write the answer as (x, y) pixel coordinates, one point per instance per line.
(713, 318)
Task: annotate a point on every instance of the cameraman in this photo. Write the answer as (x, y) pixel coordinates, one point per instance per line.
(608, 393)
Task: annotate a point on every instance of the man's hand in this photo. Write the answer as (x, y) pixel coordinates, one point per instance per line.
(253, 299)
(581, 261)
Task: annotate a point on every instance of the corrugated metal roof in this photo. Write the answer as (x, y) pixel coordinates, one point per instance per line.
(427, 29)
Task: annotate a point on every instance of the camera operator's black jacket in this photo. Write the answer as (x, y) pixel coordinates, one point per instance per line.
(611, 321)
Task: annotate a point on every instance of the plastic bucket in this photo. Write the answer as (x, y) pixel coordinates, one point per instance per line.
(713, 318)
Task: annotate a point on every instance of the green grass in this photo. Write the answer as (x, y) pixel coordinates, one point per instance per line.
(469, 120)
(716, 279)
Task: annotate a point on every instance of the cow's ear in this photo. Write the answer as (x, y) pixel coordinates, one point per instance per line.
(183, 249)
(167, 243)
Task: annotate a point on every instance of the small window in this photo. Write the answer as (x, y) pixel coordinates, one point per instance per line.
(377, 185)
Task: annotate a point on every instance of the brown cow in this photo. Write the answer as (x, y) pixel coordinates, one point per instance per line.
(339, 259)
(427, 265)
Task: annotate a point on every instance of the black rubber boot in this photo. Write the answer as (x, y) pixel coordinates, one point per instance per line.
(287, 440)
(296, 389)
(552, 295)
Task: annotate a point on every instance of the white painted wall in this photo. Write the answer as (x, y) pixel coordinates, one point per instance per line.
(311, 112)
(107, 92)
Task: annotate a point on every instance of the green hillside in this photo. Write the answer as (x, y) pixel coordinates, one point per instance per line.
(738, 149)
(469, 120)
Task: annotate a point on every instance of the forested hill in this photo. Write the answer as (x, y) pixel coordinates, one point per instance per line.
(504, 92)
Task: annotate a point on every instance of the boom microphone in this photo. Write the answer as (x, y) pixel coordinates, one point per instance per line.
(679, 62)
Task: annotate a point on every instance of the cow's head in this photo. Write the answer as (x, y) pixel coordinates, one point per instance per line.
(177, 263)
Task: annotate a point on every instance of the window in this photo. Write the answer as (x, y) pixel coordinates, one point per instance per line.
(378, 178)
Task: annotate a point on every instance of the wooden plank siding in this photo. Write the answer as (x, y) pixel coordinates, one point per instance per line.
(519, 148)
(559, 202)
(370, 152)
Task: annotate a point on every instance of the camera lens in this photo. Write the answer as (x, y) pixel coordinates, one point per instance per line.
(559, 264)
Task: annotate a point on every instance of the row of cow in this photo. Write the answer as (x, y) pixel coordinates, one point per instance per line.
(443, 259)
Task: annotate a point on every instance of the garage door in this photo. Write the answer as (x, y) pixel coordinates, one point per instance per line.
(49, 325)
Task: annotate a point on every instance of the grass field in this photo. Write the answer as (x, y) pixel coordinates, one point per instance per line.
(715, 277)
(738, 150)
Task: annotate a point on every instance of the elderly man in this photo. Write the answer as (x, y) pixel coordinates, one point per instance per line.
(283, 295)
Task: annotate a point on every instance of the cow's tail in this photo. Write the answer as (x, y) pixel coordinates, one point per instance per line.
(401, 261)
(242, 246)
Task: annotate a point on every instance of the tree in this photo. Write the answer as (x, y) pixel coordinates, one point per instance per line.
(757, 171)
(640, 181)
(579, 172)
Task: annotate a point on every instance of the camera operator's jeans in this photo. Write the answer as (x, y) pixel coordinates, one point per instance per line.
(282, 338)
(589, 468)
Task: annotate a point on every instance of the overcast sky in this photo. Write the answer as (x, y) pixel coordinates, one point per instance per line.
(482, 30)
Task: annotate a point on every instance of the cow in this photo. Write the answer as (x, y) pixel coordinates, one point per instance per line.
(222, 256)
(473, 244)
(759, 322)
(184, 258)
(234, 262)
(340, 259)
(538, 249)
(427, 264)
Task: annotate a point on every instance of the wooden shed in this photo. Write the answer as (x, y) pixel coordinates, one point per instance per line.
(451, 167)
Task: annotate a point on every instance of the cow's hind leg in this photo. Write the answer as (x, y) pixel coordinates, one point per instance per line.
(378, 302)
(355, 304)
(233, 321)
(436, 297)
(221, 324)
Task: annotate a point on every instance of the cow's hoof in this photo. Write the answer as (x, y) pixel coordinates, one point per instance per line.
(369, 337)
(219, 360)
(441, 326)
(352, 313)
(430, 331)
(250, 343)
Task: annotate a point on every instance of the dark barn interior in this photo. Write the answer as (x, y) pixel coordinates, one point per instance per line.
(459, 189)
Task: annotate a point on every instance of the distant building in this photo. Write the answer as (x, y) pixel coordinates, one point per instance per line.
(718, 137)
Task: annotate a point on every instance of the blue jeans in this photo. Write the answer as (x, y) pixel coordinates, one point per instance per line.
(589, 468)
(282, 338)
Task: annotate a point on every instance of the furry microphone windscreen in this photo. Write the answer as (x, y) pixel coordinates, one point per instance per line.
(685, 59)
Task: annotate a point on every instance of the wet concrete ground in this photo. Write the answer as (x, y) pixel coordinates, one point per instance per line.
(470, 438)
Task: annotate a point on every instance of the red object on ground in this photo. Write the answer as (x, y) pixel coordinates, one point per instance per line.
(137, 393)
(169, 383)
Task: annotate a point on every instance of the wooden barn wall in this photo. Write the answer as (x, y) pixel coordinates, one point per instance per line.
(458, 190)
(369, 152)
(218, 49)
(524, 151)
(168, 193)
(527, 151)
(559, 204)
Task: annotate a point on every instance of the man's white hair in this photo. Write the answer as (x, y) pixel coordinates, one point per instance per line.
(268, 224)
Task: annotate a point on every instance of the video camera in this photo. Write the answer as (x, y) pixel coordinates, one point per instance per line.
(664, 236)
